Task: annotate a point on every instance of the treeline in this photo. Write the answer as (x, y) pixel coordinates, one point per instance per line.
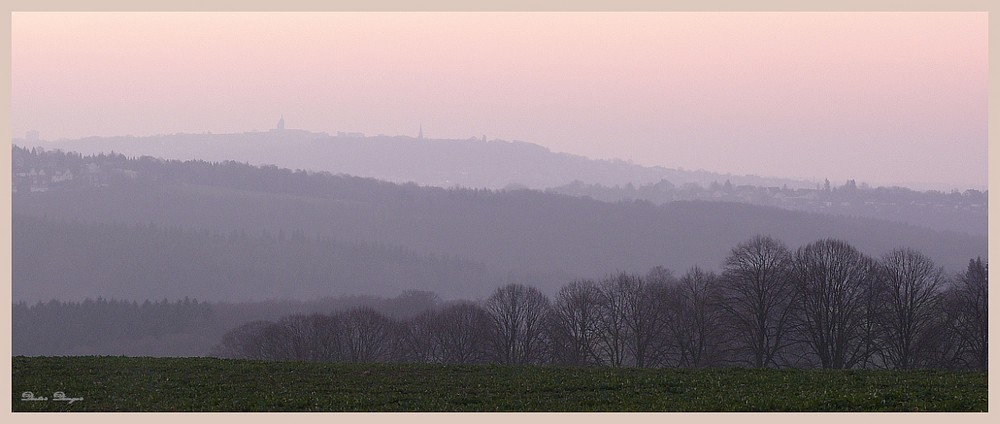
(185, 327)
(824, 305)
(61, 327)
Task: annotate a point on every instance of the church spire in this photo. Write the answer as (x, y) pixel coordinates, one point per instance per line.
(281, 123)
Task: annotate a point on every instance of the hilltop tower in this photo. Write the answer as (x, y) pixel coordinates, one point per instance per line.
(420, 135)
(281, 123)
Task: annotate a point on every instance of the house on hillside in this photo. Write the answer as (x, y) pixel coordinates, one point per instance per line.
(59, 177)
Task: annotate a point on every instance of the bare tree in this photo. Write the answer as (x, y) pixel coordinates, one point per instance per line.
(912, 285)
(574, 325)
(872, 331)
(647, 319)
(941, 346)
(612, 335)
(967, 312)
(417, 339)
(695, 319)
(660, 274)
(244, 342)
(278, 342)
(368, 336)
(460, 334)
(758, 299)
(833, 280)
(631, 321)
(518, 313)
(313, 337)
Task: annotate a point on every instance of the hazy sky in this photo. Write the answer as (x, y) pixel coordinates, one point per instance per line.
(879, 97)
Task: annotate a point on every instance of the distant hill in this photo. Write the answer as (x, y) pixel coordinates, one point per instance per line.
(472, 163)
(498, 164)
(543, 239)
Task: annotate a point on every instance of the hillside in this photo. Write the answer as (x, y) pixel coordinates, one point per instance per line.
(74, 261)
(496, 164)
(474, 163)
(546, 239)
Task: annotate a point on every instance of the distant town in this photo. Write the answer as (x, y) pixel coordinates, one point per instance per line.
(965, 211)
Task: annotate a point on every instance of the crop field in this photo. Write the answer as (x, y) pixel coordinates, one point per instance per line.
(206, 384)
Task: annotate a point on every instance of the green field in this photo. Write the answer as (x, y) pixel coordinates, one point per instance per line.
(204, 384)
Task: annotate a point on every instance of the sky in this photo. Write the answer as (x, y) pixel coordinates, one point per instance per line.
(880, 97)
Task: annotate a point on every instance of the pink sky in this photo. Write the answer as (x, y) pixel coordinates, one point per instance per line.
(879, 97)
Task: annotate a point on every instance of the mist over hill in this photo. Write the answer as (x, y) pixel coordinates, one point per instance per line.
(473, 163)
(538, 238)
(73, 261)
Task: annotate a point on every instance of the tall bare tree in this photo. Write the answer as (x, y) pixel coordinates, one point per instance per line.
(417, 339)
(758, 299)
(314, 337)
(613, 328)
(695, 319)
(833, 280)
(574, 323)
(278, 342)
(912, 285)
(460, 334)
(368, 336)
(871, 329)
(967, 312)
(647, 319)
(518, 313)
(631, 321)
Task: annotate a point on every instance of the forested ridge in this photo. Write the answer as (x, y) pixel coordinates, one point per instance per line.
(548, 237)
(72, 261)
(497, 164)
